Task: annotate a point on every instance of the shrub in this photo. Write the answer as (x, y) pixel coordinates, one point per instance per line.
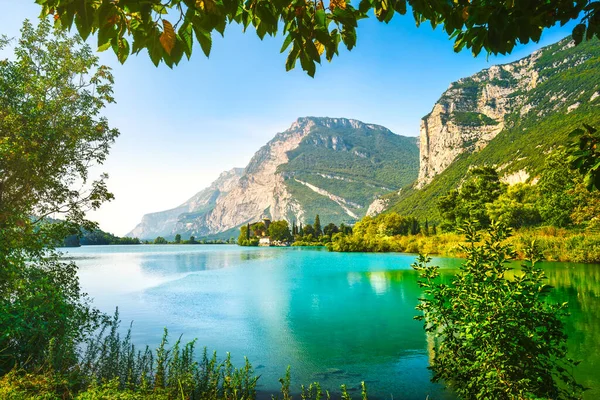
(495, 337)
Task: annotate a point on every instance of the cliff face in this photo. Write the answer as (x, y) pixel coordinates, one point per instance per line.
(260, 191)
(508, 117)
(474, 110)
(333, 167)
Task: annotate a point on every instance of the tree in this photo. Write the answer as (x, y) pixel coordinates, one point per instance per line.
(330, 229)
(71, 241)
(312, 28)
(317, 227)
(160, 240)
(555, 202)
(517, 207)
(51, 133)
(482, 186)
(309, 230)
(193, 240)
(496, 336)
(346, 230)
(258, 229)
(415, 227)
(301, 230)
(586, 205)
(178, 238)
(584, 155)
(280, 231)
(446, 206)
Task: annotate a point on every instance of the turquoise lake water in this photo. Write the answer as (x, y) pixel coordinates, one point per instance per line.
(334, 317)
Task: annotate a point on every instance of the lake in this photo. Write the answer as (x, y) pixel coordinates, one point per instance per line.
(334, 317)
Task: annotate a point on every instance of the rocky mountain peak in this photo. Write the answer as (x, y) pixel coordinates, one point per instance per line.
(335, 123)
(334, 167)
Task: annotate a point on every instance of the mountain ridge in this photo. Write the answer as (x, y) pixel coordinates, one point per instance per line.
(331, 166)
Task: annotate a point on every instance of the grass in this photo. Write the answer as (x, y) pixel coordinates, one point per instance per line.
(555, 244)
(112, 368)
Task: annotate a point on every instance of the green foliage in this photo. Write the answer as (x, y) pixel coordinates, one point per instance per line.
(483, 186)
(51, 96)
(317, 227)
(586, 209)
(178, 238)
(467, 118)
(556, 203)
(251, 233)
(99, 237)
(173, 371)
(309, 230)
(516, 207)
(280, 231)
(376, 234)
(160, 240)
(584, 155)
(330, 229)
(311, 29)
(496, 336)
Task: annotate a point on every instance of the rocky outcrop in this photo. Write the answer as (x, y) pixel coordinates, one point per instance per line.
(471, 113)
(261, 191)
(376, 207)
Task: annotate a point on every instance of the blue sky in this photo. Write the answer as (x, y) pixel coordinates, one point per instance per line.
(180, 128)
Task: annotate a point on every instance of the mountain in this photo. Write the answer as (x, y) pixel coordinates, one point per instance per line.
(334, 167)
(508, 116)
(168, 223)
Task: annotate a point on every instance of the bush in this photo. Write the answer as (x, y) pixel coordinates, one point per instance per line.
(495, 337)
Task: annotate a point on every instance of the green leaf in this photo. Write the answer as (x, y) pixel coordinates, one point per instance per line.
(84, 19)
(104, 47)
(321, 18)
(286, 43)
(204, 38)
(308, 64)
(578, 33)
(186, 34)
(290, 63)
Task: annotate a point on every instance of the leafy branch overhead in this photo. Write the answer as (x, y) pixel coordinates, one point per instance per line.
(584, 155)
(311, 29)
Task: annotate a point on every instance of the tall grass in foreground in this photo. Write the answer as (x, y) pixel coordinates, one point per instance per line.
(172, 371)
(112, 368)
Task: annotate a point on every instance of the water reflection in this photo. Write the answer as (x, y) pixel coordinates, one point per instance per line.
(337, 318)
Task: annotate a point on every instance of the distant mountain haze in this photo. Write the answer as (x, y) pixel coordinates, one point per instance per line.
(334, 167)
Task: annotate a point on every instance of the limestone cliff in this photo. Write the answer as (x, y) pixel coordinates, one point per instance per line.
(509, 117)
(474, 110)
